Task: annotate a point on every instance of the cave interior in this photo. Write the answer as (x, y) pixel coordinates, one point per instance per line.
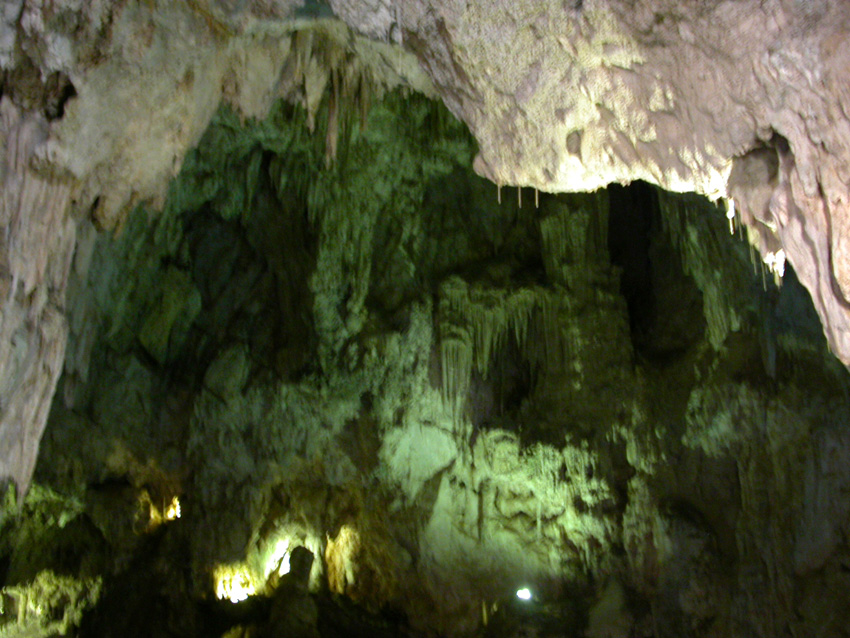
(336, 383)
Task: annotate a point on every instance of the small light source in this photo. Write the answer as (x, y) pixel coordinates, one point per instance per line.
(173, 510)
(524, 593)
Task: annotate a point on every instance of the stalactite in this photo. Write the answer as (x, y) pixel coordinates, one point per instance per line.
(332, 136)
(495, 316)
(364, 99)
(730, 215)
(456, 364)
(524, 305)
(719, 306)
(752, 256)
(485, 319)
(554, 230)
(560, 337)
(761, 270)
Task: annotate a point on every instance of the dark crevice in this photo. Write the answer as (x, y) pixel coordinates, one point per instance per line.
(60, 95)
(29, 90)
(664, 303)
(630, 228)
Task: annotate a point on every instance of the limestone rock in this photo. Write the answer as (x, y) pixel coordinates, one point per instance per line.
(323, 329)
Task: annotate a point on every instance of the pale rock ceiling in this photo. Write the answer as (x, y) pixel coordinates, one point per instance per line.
(730, 99)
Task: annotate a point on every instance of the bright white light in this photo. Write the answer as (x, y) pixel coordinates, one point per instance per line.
(279, 558)
(524, 593)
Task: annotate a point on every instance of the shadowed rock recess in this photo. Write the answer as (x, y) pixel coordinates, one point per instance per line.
(377, 318)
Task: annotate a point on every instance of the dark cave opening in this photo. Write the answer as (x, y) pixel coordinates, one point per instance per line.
(664, 303)
(632, 220)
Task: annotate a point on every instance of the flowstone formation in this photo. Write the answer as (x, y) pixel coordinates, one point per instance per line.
(309, 397)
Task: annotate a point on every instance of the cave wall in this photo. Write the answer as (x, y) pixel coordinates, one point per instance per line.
(572, 96)
(442, 408)
(38, 255)
(729, 100)
(147, 78)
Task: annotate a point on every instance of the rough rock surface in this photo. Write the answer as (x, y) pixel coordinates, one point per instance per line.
(598, 397)
(571, 96)
(321, 316)
(37, 249)
(729, 99)
(106, 98)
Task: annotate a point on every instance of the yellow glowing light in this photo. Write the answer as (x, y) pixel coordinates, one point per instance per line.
(340, 553)
(172, 512)
(279, 558)
(233, 583)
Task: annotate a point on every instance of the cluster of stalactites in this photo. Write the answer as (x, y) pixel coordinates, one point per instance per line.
(477, 322)
(474, 324)
(323, 63)
(701, 258)
(766, 253)
(560, 335)
(492, 315)
(575, 238)
(456, 364)
(758, 191)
